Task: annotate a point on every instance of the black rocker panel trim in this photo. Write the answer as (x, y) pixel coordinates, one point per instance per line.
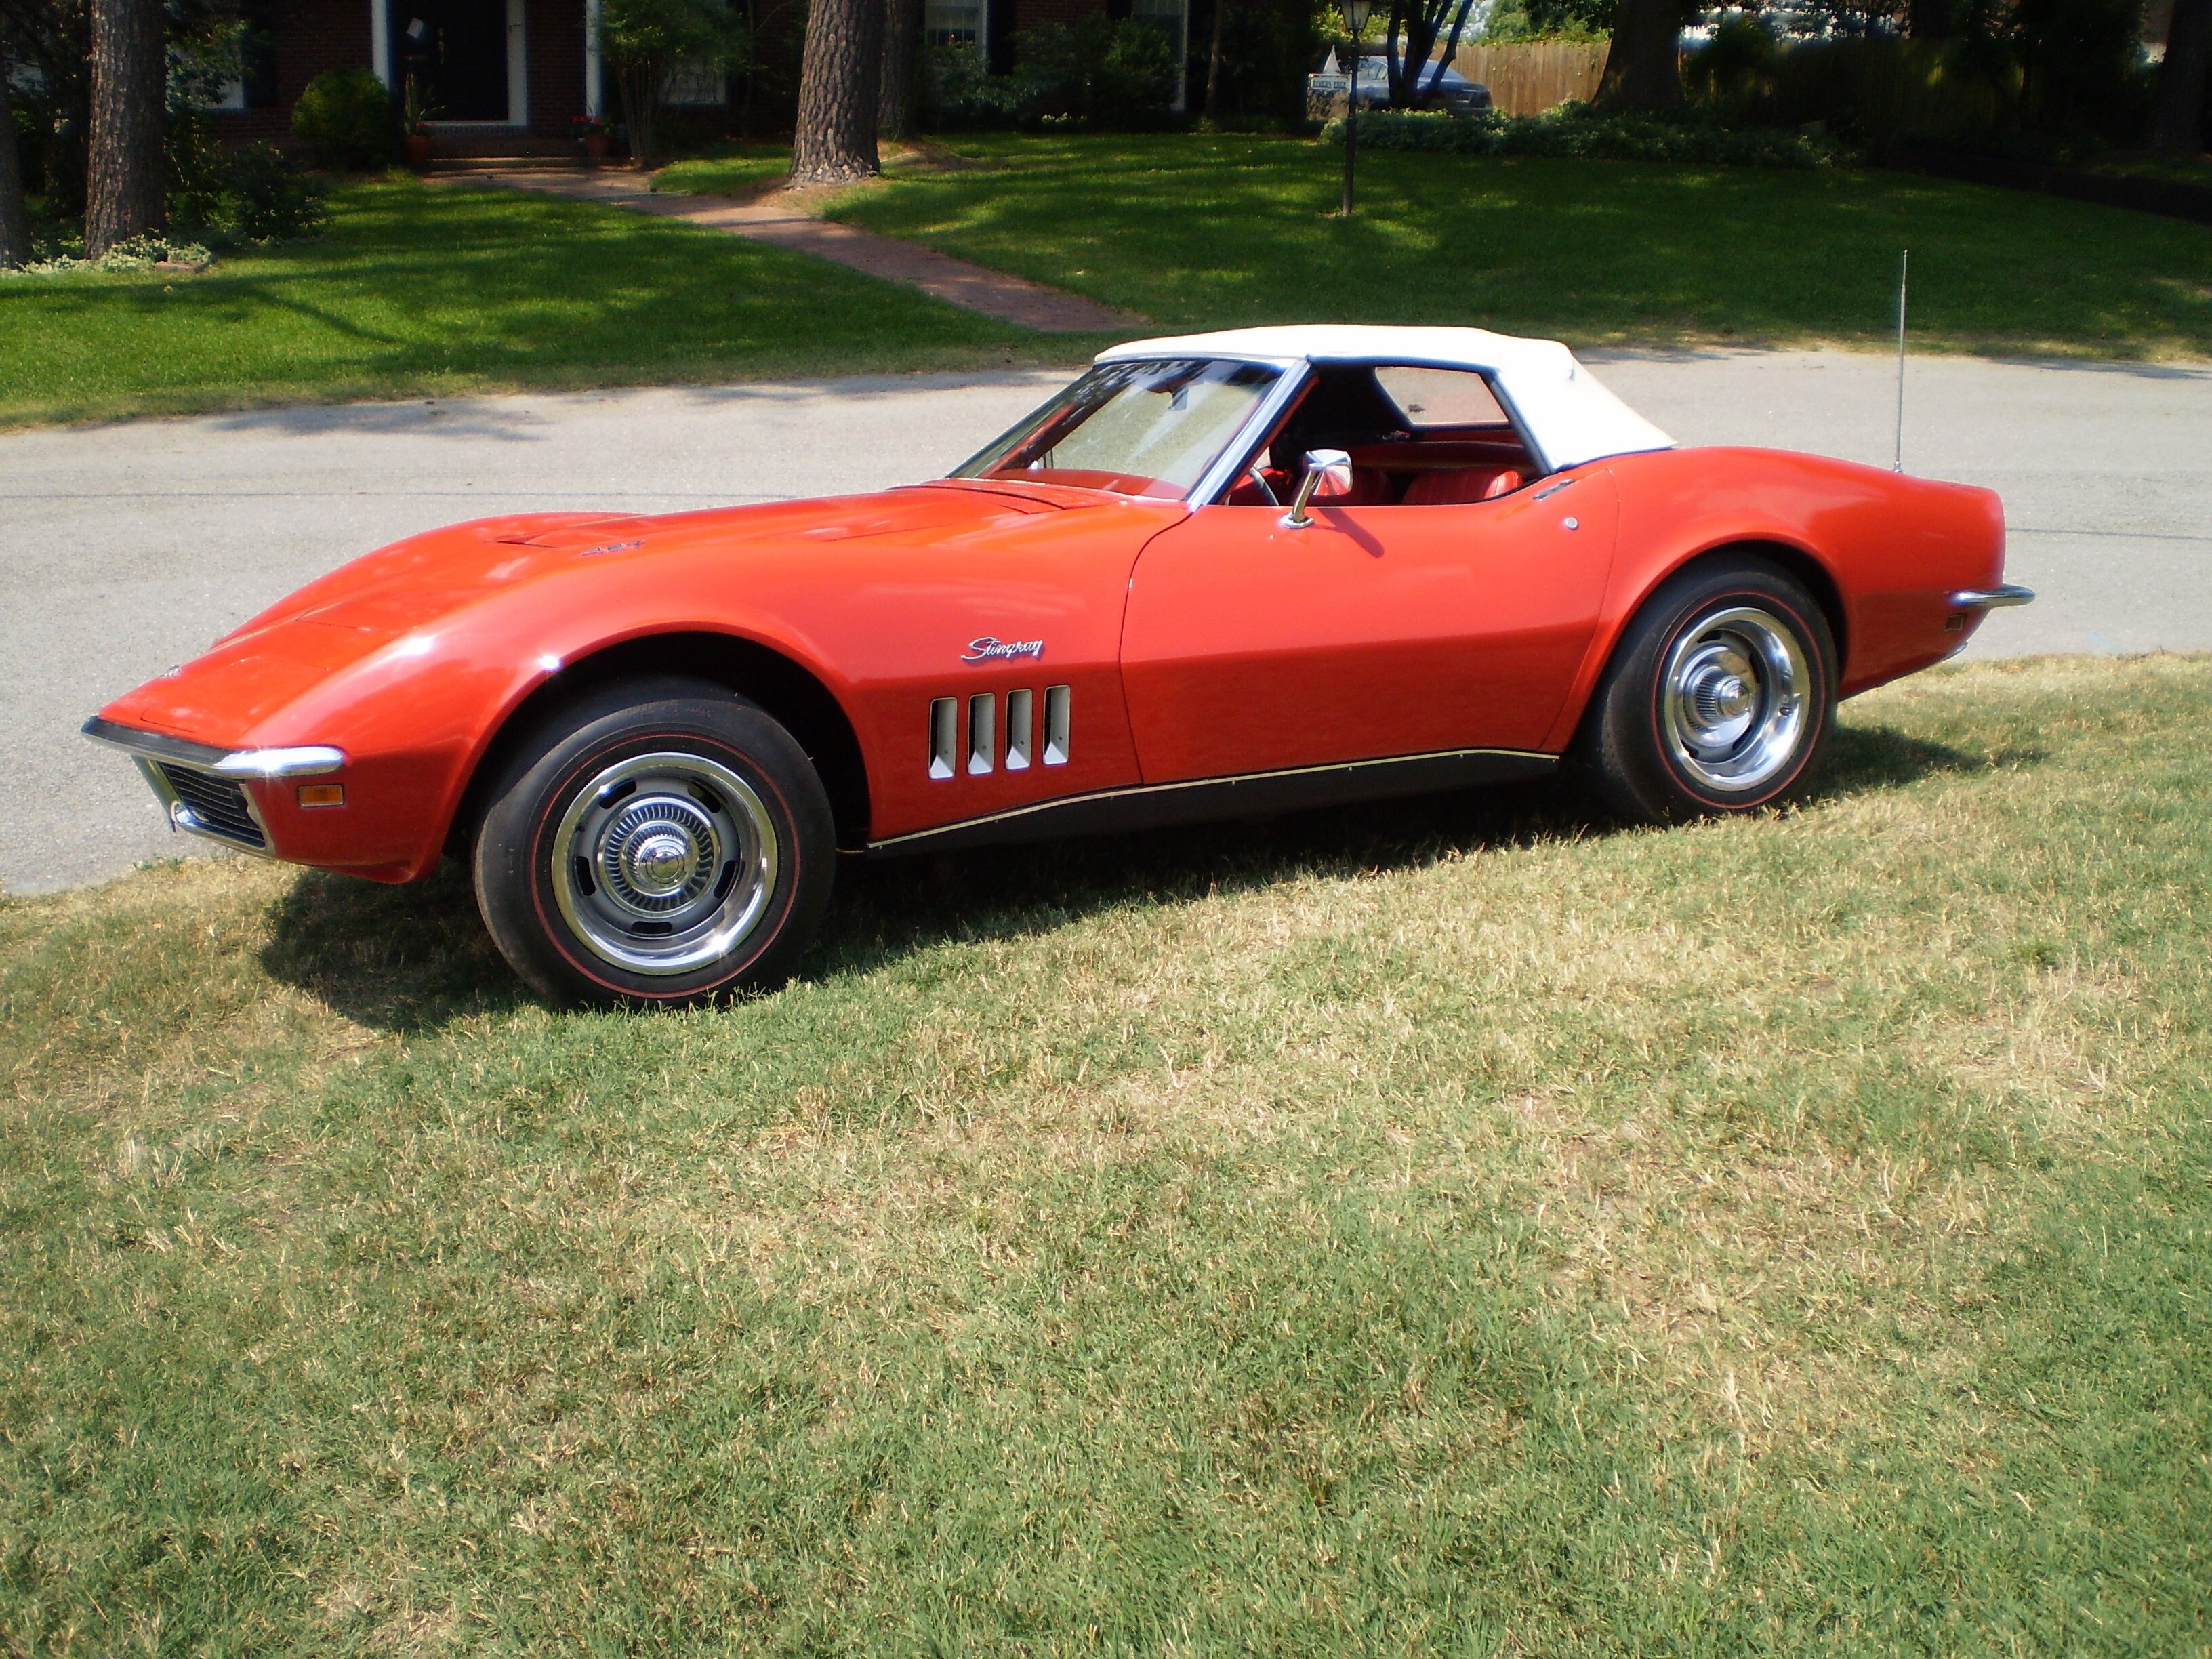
(1115, 811)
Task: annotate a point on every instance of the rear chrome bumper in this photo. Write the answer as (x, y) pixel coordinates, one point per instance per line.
(201, 788)
(1991, 598)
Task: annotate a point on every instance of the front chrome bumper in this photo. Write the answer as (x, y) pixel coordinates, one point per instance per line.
(1991, 598)
(201, 788)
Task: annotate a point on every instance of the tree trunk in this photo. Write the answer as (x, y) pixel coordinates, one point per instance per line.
(1213, 60)
(2177, 125)
(835, 141)
(894, 97)
(14, 219)
(639, 87)
(1643, 68)
(129, 81)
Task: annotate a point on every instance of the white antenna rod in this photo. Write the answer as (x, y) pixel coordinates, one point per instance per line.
(1904, 263)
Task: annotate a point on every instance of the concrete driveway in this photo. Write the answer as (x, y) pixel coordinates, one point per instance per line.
(124, 549)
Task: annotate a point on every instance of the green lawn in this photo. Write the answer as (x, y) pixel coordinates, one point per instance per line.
(1199, 232)
(1452, 1228)
(419, 289)
(731, 170)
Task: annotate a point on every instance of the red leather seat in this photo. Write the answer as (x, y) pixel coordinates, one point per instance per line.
(1451, 486)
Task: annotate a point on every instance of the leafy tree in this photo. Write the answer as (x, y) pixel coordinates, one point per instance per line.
(2077, 59)
(1409, 41)
(834, 142)
(1549, 20)
(646, 40)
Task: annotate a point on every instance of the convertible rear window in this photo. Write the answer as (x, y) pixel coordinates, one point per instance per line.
(1141, 429)
(1440, 396)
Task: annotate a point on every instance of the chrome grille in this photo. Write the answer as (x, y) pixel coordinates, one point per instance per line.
(217, 804)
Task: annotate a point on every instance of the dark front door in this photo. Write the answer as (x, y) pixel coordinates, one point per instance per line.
(455, 53)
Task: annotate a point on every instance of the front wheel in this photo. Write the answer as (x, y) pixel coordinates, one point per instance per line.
(1718, 699)
(659, 843)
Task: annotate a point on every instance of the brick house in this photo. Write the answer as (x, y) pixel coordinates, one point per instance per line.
(510, 75)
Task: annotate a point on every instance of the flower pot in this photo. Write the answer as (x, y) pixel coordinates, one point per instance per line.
(595, 146)
(416, 145)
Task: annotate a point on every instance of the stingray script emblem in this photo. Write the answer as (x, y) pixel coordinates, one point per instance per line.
(991, 649)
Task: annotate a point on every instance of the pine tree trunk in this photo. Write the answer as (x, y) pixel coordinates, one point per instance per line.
(835, 141)
(14, 219)
(894, 97)
(2177, 126)
(129, 81)
(1644, 67)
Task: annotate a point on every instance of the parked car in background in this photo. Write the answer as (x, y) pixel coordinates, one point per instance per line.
(1455, 92)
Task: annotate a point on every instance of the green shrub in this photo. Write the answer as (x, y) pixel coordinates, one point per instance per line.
(345, 115)
(136, 253)
(1572, 130)
(961, 92)
(1106, 74)
(1734, 70)
(1118, 77)
(251, 195)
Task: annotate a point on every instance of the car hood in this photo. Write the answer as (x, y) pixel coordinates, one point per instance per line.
(383, 605)
(414, 582)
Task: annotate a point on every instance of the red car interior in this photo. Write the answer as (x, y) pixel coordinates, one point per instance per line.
(1451, 486)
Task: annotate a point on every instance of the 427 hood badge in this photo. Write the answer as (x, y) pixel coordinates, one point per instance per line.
(992, 649)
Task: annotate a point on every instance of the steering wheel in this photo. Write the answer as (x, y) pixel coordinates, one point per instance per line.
(1257, 477)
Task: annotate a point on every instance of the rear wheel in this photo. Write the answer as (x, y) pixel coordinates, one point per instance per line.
(1719, 697)
(657, 842)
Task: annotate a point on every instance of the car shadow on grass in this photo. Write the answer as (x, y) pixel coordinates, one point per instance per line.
(415, 959)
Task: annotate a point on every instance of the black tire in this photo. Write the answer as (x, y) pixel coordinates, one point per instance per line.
(1657, 739)
(700, 849)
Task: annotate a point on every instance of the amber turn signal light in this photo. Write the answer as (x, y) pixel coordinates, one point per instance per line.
(322, 795)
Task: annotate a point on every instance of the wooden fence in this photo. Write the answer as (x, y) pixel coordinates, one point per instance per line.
(1528, 78)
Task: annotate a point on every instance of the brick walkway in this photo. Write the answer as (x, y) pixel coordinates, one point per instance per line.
(781, 217)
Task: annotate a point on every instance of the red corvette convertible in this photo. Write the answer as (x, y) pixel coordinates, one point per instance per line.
(1220, 574)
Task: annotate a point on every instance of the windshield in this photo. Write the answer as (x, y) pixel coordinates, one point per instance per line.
(1143, 429)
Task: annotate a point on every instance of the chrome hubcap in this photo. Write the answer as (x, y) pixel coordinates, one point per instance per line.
(663, 863)
(1734, 702)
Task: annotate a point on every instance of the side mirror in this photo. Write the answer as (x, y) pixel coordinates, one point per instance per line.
(1328, 477)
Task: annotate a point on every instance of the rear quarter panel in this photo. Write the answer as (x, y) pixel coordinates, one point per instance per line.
(1894, 547)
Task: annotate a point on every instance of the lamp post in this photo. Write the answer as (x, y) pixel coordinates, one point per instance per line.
(1355, 14)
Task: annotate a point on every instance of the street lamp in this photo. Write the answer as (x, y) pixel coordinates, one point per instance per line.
(1355, 14)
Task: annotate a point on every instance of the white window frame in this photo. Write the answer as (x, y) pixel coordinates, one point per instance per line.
(982, 42)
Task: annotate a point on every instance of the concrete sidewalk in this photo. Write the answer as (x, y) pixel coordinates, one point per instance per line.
(124, 549)
(787, 219)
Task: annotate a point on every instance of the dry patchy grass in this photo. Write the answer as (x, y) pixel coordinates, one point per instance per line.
(1456, 1226)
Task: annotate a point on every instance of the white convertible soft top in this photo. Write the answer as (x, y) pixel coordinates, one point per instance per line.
(1565, 412)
